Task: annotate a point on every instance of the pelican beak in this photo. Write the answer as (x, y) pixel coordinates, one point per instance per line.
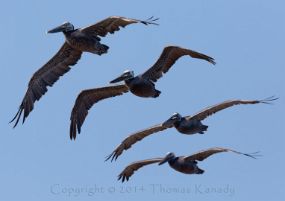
(168, 123)
(57, 29)
(119, 79)
(164, 160)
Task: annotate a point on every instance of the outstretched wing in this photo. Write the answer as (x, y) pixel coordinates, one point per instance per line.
(168, 57)
(86, 99)
(216, 108)
(47, 76)
(112, 24)
(130, 169)
(132, 139)
(201, 155)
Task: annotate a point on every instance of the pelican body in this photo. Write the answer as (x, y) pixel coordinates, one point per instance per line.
(183, 164)
(193, 124)
(179, 164)
(81, 40)
(184, 125)
(143, 85)
(138, 85)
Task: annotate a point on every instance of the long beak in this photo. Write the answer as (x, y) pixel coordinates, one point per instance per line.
(57, 29)
(168, 123)
(118, 79)
(163, 161)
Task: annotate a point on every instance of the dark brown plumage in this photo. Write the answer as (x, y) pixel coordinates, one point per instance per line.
(77, 41)
(203, 154)
(113, 24)
(132, 139)
(47, 76)
(226, 104)
(168, 57)
(131, 168)
(183, 164)
(185, 125)
(86, 99)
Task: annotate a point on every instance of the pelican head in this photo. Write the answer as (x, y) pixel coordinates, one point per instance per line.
(169, 156)
(128, 74)
(65, 27)
(176, 117)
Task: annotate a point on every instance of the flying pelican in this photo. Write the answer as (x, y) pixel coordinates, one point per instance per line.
(186, 125)
(76, 41)
(183, 164)
(141, 85)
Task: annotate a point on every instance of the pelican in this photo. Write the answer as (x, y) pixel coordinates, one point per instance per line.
(183, 164)
(76, 41)
(185, 125)
(141, 85)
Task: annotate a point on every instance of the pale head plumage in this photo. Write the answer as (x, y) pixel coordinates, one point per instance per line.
(68, 26)
(127, 74)
(176, 117)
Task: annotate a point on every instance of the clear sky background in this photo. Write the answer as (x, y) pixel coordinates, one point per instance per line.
(39, 162)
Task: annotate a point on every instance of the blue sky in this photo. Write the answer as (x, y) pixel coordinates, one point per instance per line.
(39, 162)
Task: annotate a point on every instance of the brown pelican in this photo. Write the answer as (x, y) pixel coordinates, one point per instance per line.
(76, 41)
(141, 85)
(183, 164)
(186, 125)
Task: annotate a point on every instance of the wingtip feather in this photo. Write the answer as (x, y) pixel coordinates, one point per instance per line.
(17, 117)
(269, 100)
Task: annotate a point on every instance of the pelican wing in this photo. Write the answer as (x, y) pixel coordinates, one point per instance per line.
(86, 99)
(134, 138)
(47, 76)
(130, 169)
(226, 104)
(201, 155)
(168, 57)
(112, 24)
